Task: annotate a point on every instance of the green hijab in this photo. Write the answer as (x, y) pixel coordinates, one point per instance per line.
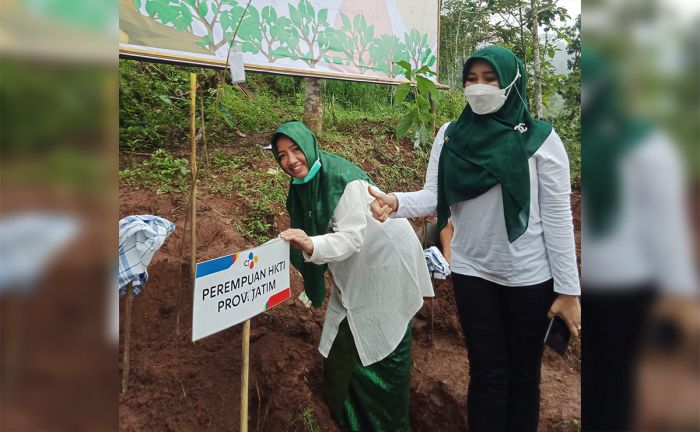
(481, 151)
(311, 204)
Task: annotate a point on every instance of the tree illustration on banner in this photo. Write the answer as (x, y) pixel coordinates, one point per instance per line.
(268, 33)
(301, 33)
(185, 14)
(385, 52)
(418, 49)
(309, 27)
(361, 36)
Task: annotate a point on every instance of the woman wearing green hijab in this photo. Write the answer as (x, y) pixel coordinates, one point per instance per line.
(379, 274)
(503, 177)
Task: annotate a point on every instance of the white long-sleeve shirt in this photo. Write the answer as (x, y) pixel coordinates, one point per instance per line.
(480, 245)
(652, 240)
(379, 272)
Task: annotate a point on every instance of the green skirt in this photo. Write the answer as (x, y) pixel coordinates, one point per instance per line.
(367, 398)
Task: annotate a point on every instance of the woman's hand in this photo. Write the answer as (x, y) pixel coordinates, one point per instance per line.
(298, 240)
(383, 204)
(683, 311)
(569, 308)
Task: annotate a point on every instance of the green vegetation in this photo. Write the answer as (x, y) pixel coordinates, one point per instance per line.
(420, 115)
(572, 425)
(160, 171)
(270, 195)
(307, 417)
(222, 174)
(234, 177)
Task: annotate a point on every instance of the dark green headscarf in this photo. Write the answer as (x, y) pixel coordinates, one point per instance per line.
(311, 205)
(607, 134)
(481, 151)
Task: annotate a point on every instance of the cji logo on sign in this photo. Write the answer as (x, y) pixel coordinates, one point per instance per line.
(250, 262)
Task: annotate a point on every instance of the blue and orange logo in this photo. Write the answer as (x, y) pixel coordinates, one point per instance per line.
(251, 261)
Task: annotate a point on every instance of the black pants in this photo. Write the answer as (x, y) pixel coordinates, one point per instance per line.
(614, 321)
(504, 331)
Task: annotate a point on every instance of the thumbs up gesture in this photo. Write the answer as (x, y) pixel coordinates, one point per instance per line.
(383, 204)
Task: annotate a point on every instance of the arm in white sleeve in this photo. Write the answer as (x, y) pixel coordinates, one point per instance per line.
(423, 202)
(349, 225)
(666, 231)
(555, 212)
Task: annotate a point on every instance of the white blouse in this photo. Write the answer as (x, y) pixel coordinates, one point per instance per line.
(652, 240)
(480, 245)
(379, 272)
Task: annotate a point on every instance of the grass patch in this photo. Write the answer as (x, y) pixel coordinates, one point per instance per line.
(571, 425)
(224, 175)
(373, 147)
(248, 111)
(221, 161)
(267, 202)
(160, 171)
(308, 419)
(153, 105)
(226, 187)
(261, 191)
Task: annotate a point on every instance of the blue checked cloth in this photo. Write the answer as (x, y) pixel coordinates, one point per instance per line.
(437, 264)
(139, 238)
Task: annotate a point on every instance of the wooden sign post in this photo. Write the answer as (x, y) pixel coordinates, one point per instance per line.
(232, 289)
(244, 376)
(127, 337)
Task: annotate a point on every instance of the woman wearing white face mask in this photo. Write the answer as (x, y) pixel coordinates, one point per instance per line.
(503, 177)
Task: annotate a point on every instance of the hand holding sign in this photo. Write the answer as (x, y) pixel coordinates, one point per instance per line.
(298, 240)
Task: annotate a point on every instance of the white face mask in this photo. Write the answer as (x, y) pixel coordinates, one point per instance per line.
(487, 99)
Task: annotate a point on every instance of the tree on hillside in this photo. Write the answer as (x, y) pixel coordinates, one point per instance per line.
(313, 104)
(573, 48)
(464, 26)
(537, 97)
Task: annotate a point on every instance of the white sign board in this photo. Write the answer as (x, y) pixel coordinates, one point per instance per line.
(233, 288)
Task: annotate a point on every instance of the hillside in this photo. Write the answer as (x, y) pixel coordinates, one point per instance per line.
(177, 385)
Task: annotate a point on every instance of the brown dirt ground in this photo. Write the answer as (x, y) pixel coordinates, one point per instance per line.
(177, 385)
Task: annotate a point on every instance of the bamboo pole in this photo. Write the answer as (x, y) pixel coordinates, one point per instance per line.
(204, 130)
(193, 178)
(432, 311)
(180, 288)
(127, 337)
(191, 207)
(244, 376)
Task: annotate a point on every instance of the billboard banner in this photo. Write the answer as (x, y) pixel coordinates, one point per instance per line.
(357, 40)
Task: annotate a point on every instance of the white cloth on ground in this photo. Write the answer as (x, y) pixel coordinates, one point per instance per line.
(140, 236)
(437, 264)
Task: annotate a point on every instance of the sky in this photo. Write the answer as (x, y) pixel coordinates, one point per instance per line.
(573, 6)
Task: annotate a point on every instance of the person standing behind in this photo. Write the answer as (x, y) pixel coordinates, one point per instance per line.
(503, 177)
